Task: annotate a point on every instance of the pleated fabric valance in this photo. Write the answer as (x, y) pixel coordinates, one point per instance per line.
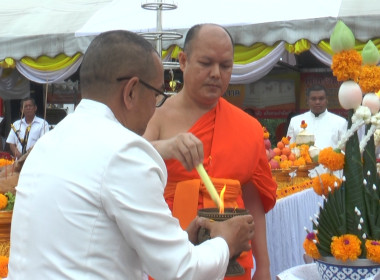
(250, 64)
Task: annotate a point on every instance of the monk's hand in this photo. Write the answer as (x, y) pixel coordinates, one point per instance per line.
(237, 231)
(184, 147)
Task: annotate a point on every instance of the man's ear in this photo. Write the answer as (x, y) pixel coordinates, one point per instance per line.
(130, 92)
(182, 58)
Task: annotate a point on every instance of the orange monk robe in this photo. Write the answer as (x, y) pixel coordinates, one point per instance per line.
(234, 149)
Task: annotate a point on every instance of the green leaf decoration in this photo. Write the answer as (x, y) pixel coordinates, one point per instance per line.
(11, 200)
(370, 54)
(371, 196)
(342, 38)
(354, 184)
(331, 220)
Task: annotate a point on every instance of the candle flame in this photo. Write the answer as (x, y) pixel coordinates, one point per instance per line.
(221, 208)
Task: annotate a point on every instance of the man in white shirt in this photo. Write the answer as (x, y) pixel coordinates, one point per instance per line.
(328, 128)
(25, 132)
(90, 195)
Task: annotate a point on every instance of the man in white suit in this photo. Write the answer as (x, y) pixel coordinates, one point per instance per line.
(90, 195)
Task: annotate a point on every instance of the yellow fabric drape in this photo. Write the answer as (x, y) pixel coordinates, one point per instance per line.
(242, 54)
(8, 63)
(45, 63)
(298, 47)
(173, 50)
(245, 55)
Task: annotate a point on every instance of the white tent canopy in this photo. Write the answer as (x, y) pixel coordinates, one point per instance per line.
(34, 28)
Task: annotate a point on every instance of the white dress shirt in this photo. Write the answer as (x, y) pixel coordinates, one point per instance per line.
(38, 127)
(90, 206)
(328, 130)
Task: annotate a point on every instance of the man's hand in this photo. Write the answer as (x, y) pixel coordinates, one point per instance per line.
(237, 231)
(184, 147)
(193, 229)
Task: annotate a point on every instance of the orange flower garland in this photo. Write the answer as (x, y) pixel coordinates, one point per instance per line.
(346, 65)
(369, 78)
(298, 186)
(373, 250)
(310, 247)
(346, 247)
(331, 159)
(322, 183)
(3, 266)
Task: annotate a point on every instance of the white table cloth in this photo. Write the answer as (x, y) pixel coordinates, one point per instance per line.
(300, 272)
(285, 229)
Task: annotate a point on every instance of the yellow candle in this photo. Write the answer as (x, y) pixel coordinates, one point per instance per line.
(209, 185)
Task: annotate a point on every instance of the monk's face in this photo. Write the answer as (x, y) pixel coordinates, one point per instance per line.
(207, 67)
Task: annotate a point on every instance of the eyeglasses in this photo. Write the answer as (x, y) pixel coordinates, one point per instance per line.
(160, 95)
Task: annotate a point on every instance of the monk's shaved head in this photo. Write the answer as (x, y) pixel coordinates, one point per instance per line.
(193, 32)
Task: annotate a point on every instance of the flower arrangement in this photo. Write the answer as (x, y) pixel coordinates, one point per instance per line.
(348, 224)
(7, 201)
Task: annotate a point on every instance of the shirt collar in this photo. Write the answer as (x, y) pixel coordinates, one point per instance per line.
(320, 115)
(24, 120)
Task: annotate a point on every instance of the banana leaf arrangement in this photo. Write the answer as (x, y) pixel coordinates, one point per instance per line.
(348, 224)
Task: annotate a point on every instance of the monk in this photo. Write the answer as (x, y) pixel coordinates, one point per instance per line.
(198, 126)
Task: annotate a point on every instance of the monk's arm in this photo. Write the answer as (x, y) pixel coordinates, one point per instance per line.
(253, 203)
(152, 134)
(185, 147)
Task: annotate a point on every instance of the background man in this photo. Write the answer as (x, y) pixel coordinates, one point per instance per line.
(90, 195)
(25, 132)
(198, 126)
(328, 128)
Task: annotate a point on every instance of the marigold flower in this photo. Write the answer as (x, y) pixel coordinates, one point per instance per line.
(304, 151)
(331, 159)
(5, 162)
(346, 65)
(303, 124)
(299, 161)
(310, 247)
(346, 247)
(369, 78)
(373, 250)
(285, 140)
(285, 164)
(266, 133)
(322, 183)
(293, 145)
(3, 201)
(3, 266)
